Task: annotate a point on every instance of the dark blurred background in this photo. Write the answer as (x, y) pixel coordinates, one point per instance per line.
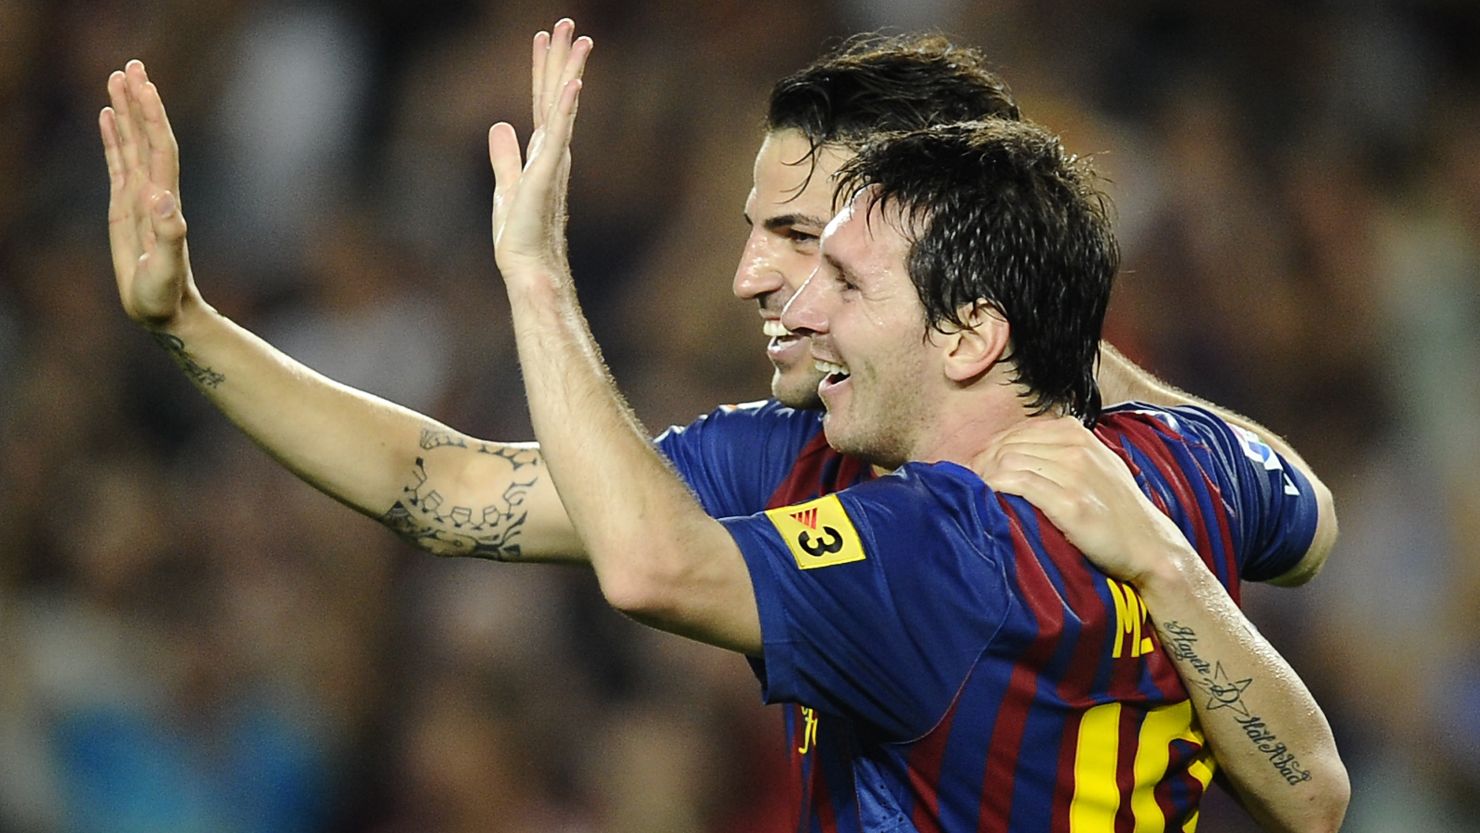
(194, 641)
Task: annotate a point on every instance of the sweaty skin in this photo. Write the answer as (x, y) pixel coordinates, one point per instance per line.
(444, 491)
(787, 210)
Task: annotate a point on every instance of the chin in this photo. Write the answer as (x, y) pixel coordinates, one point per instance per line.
(796, 390)
(872, 447)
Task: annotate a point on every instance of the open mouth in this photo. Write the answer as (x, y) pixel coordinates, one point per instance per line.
(836, 374)
(784, 343)
(780, 336)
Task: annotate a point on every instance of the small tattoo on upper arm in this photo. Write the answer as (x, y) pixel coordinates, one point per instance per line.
(426, 518)
(198, 373)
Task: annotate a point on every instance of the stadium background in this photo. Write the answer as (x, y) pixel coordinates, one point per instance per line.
(193, 641)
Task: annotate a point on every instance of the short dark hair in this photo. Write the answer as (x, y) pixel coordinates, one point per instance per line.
(999, 212)
(874, 83)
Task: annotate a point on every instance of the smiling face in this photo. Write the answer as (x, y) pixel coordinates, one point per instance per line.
(881, 369)
(788, 208)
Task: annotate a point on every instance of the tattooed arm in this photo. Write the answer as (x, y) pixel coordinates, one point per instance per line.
(1264, 728)
(445, 492)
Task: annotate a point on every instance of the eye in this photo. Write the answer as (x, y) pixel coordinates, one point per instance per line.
(801, 238)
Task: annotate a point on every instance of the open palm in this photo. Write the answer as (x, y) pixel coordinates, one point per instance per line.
(146, 229)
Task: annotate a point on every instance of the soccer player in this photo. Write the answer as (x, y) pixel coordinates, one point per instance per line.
(447, 492)
(972, 669)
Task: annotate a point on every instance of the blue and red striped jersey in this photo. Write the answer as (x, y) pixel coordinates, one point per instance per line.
(949, 661)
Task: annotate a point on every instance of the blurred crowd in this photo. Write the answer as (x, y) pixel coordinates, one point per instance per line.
(191, 640)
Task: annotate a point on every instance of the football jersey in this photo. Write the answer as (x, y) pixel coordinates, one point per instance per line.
(950, 661)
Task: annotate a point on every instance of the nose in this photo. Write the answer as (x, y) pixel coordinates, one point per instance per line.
(757, 274)
(806, 312)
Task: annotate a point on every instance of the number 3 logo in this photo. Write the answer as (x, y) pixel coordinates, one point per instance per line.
(818, 548)
(818, 533)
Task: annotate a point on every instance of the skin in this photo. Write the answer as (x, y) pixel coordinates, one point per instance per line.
(1236, 679)
(319, 430)
(787, 209)
(866, 324)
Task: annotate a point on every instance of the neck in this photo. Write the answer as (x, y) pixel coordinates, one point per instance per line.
(968, 421)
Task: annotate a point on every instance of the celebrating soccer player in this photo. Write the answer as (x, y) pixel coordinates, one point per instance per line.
(748, 584)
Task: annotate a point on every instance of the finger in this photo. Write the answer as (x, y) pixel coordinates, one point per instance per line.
(1090, 467)
(1035, 448)
(112, 153)
(164, 151)
(555, 141)
(1031, 486)
(134, 81)
(123, 238)
(128, 145)
(135, 152)
(1049, 467)
(551, 87)
(537, 77)
(168, 224)
(575, 61)
(503, 157)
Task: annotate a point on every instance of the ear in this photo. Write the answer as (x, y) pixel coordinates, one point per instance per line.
(973, 349)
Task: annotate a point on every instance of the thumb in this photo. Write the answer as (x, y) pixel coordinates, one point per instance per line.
(167, 221)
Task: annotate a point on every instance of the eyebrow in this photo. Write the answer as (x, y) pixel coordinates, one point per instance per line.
(842, 269)
(788, 220)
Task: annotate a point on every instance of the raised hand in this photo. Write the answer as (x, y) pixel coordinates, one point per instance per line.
(146, 228)
(1087, 492)
(529, 196)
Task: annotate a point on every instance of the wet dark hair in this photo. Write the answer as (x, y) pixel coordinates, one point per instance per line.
(998, 212)
(875, 83)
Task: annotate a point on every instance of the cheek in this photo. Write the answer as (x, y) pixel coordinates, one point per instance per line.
(796, 267)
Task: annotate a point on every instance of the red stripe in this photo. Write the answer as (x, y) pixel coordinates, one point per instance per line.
(809, 478)
(1131, 718)
(803, 482)
(1151, 437)
(1000, 778)
(1225, 535)
(927, 757)
(1044, 604)
(1082, 584)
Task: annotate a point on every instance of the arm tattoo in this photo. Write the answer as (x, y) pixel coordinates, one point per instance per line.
(1224, 693)
(198, 373)
(424, 516)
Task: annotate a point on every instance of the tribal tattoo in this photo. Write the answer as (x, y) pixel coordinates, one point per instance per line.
(199, 374)
(1225, 693)
(424, 517)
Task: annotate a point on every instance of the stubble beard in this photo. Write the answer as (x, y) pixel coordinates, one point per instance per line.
(797, 389)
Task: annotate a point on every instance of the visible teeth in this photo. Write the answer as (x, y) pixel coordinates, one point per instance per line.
(829, 368)
(773, 327)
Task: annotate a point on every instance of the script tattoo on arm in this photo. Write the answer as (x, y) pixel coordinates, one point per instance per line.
(426, 518)
(1225, 693)
(199, 374)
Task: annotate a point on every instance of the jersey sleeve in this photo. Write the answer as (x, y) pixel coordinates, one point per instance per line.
(734, 457)
(876, 602)
(1273, 504)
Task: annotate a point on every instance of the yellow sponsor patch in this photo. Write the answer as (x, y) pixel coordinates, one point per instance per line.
(818, 533)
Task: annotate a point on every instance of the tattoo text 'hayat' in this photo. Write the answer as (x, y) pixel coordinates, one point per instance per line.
(1225, 693)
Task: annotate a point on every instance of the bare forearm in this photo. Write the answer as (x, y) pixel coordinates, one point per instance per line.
(648, 539)
(1266, 729)
(445, 492)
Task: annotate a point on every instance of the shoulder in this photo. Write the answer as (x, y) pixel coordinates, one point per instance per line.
(927, 506)
(761, 415)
